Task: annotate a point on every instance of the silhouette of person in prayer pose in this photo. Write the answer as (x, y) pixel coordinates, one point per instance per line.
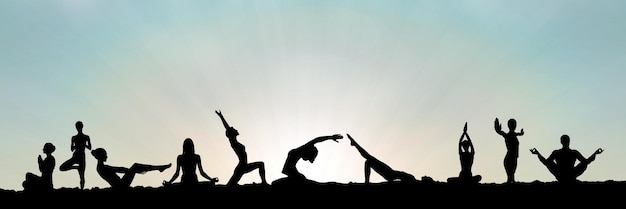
(109, 173)
(306, 152)
(188, 162)
(466, 157)
(243, 166)
(46, 167)
(512, 147)
(80, 142)
(562, 162)
(384, 170)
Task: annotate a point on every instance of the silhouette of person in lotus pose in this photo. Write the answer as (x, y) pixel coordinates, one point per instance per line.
(80, 142)
(46, 167)
(243, 166)
(562, 162)
(306, 152)
(466, 157)
(512, 147)
(384, 170)
(109, 173)
(188, 162)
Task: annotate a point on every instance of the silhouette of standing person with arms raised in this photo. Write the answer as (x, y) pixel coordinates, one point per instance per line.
(562, 162)
(46, 167)
(384, 170)
(80, 142)
(306, 152)
(466, 157)
(188, 162)
(512, 147)
(109, 173)
(243, 166)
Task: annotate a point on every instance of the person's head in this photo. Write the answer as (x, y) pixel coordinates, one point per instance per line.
(309, 154)
(512, 124)
(48, 148)
(231, 132)
(465, 144)
(188, 147)
(79, 125)
(100, 154)
(565, 140)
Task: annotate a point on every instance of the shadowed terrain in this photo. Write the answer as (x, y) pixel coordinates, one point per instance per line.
(415, 195)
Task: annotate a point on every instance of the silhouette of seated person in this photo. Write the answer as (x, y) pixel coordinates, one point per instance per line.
(466, 157)
(384, 170)
(562, 162)
(306, 152)
(110, 173)
(189, 162)
(46, 167)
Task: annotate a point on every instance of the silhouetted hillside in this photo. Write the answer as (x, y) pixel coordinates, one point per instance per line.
(417, 195)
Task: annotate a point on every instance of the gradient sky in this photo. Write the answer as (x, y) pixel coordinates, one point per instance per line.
(401, 77)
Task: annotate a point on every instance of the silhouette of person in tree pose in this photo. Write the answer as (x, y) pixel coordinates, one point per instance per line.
(109, 173)
(562, 162)
(46, 167)
(188, 162)
(384, 170)
(243, 166)
(306, 152)
(80, 142)
(512, 147)
(466, 157)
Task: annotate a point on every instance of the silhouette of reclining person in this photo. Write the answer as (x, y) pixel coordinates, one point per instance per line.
(562, 162)
(109, 173)
(243, 166)
(306, 152)
(46, 167)
(466, 157)
(188, 162)
(80, 142)
(384, 170)
(512, 147)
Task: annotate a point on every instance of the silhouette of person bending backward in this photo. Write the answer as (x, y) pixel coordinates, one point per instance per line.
(306, 152)
(512, 147)
(562, 162)
(188, 162)
(109, 173)
(243, 166)
(46, 167)
(466, 157)
(384, 170)
(80, 142)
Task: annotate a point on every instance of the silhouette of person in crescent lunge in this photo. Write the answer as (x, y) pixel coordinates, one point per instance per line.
(466, 157)
(384, 170)
(243, 166)
(46, 167)
(80, 142)
(562, 162)
(188, 162)
(512, 147)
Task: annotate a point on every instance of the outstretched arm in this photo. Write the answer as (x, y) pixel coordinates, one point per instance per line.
(204, 173)
(593, 156)
(219, 113)
(323, 138)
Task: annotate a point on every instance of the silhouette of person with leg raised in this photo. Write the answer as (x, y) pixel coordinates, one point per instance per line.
(188, 162)
(306, 152)
(46, 167)
(512, 147)
(80, 142)
(466, 157)
(384, 170)
(562, 162)
(243, 166)
(109, 173)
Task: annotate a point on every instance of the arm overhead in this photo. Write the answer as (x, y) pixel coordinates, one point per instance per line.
(219, 113)
(323, 138)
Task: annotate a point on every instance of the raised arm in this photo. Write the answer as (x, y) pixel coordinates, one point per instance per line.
(323, 138)
(219, 113)
(498, 127)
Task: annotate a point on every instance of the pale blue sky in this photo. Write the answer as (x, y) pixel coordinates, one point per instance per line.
(402, 77)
